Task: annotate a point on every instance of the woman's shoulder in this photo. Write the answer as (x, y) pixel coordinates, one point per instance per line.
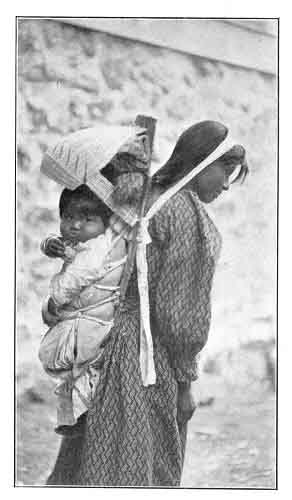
(176, 213)
(180, 205)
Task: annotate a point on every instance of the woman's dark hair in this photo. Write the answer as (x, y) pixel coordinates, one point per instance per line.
(193, 146)
(83, 192)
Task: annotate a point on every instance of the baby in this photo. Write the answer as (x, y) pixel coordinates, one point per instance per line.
(82, 300)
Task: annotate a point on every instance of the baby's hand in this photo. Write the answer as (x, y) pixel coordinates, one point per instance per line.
(53, 247)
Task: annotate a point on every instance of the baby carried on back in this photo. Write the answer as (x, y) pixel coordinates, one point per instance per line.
(80, 311)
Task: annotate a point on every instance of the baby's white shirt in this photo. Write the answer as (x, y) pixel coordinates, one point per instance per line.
(83, 269)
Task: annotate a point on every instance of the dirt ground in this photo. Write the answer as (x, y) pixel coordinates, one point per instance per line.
(231, 444)
(231, 441)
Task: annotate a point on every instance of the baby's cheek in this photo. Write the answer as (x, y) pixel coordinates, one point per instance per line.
(92, 231)
(63, 229)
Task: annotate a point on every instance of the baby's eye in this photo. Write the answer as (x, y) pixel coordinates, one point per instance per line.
(67, 217)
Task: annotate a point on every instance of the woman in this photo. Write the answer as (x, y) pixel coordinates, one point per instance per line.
(136, 435)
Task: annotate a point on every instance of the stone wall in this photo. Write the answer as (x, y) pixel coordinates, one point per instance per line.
(69, 78)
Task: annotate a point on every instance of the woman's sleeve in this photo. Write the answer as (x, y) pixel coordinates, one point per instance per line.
(182, 304)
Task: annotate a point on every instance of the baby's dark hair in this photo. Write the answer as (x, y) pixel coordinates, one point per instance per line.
(83, 192)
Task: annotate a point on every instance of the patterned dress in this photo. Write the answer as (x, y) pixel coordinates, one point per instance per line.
(131, 437)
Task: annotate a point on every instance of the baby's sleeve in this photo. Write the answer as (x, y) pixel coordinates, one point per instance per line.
(83, 271)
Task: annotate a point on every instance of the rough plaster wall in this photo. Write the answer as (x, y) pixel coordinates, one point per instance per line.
(70, 78)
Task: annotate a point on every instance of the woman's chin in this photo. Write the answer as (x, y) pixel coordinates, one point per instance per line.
(208, 197)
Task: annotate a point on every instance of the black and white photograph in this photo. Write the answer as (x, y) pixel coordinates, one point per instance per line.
(151, 145)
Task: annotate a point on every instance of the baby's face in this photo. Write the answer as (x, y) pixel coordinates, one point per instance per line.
(79, 221)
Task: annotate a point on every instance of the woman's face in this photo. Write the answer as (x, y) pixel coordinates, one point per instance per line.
(79, 221)
(214, 179)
